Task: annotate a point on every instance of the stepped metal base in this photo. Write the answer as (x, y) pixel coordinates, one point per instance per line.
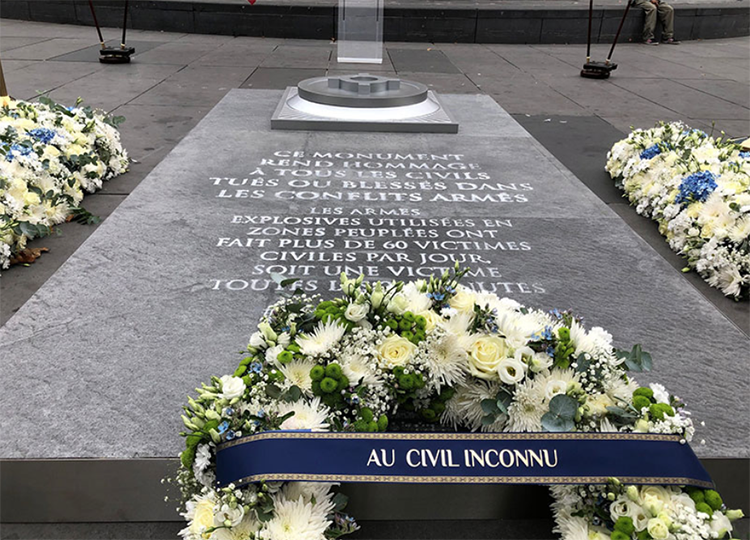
(320, 118)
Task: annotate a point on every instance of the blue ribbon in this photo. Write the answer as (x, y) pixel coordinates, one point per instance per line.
(495, 458)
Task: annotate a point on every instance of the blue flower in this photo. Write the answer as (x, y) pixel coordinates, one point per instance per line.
(230, 435)
(550, 351)
(696, 187)
(745, 155)
(651, 152)
(256, 367)
(547, 334)
(436, 296)
(229, 411)
(223, 426)
(43, 135)
(17, 149)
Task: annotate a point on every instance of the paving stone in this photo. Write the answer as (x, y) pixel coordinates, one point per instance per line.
(732, 91)
(289, 56)
(47, 49)
(685, 101)
(444, 83)
(114, 85)
(420, 60)
(40, 77)
(238, 52)
(523, 93)
(8, 43)
(279, 78)
(181, 52)
(195, 86)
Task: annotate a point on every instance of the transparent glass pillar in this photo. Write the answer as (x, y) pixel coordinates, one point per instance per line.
(360, 36)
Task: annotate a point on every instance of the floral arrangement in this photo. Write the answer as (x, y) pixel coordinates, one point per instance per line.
(49, 156)
(423, 355)
(698, 189)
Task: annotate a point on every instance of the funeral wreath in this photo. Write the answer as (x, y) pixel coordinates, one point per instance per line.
(697, 188)
(50, 155)
(433, 353)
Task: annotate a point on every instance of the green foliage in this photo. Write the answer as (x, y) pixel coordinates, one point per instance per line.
(561, 414)
(636, 359)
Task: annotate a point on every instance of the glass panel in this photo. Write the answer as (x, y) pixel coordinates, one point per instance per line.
(360, 37)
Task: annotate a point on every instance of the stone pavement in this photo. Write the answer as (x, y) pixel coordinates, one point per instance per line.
(175, 79)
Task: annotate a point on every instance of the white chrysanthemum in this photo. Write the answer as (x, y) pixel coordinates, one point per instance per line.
(527, 408)
(458, 325)
(245, 530)
(307, 491)
(557, 381)
(321, 339)
(446, 359)
(416, 300)
(312, 416)
(620, 389)
(573, 528)
(661, 395)
(202, 459)
(298, 373)
(741, 229)
(465, 407)
(518, 328)
(583, 341)
(297, 520)
(358, 370)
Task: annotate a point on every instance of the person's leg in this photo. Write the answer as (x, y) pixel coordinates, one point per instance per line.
(666, 15)
(649, 24)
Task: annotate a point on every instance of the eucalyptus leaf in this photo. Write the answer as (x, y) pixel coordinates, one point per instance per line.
(340, 501)
(273, 391)
(488, 420)
(489, 406)
(553, 423)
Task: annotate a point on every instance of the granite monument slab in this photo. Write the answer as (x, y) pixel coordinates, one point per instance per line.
(169, 288)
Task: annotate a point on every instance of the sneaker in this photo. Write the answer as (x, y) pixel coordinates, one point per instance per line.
(670, 41)
(650, 42)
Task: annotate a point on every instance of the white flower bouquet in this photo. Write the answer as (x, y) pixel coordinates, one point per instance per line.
(49, 156)
(698, 189)
(423, 355)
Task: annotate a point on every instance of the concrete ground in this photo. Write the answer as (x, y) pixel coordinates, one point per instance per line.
(175, 79)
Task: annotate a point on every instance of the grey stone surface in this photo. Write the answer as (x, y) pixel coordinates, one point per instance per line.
(426, 60)
(279, 78)
(108, 370)
(49, 48)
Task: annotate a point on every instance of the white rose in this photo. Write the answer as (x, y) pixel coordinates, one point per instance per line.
(511, 370)
(623, 507)
(396, 351)
(356, 312)
(463, 300)
(203, 516)
(657, 529)
(432, 319)
(485, 355)
(231, 387)
(654, 498)
(720, 524)
(272, 354)
(398, 304)
(234, 515)
(257, 340)
(555, 387)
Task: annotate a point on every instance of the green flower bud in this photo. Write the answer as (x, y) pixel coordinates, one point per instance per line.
(398, 371)
(392, 324)
(564, 333)
(333, 371)
(409, 316)
(639, 402)
(734, 515)
(644, 391)
(625, 525)
(372, 427)
(285, 357)
(632, 493)
(428, 414)
(317, 373)
(343, 383)
(619, 535)
(328, 385)
(366, 414)
(705, 508)
(316, 388)
(404, 325)
(407, 334)
(383, 425)
(713, 499)
(644, 535)
(420, 321)
(658, 410)
(187, 457)
(267, 331)
(360, 426)
(406, 382)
